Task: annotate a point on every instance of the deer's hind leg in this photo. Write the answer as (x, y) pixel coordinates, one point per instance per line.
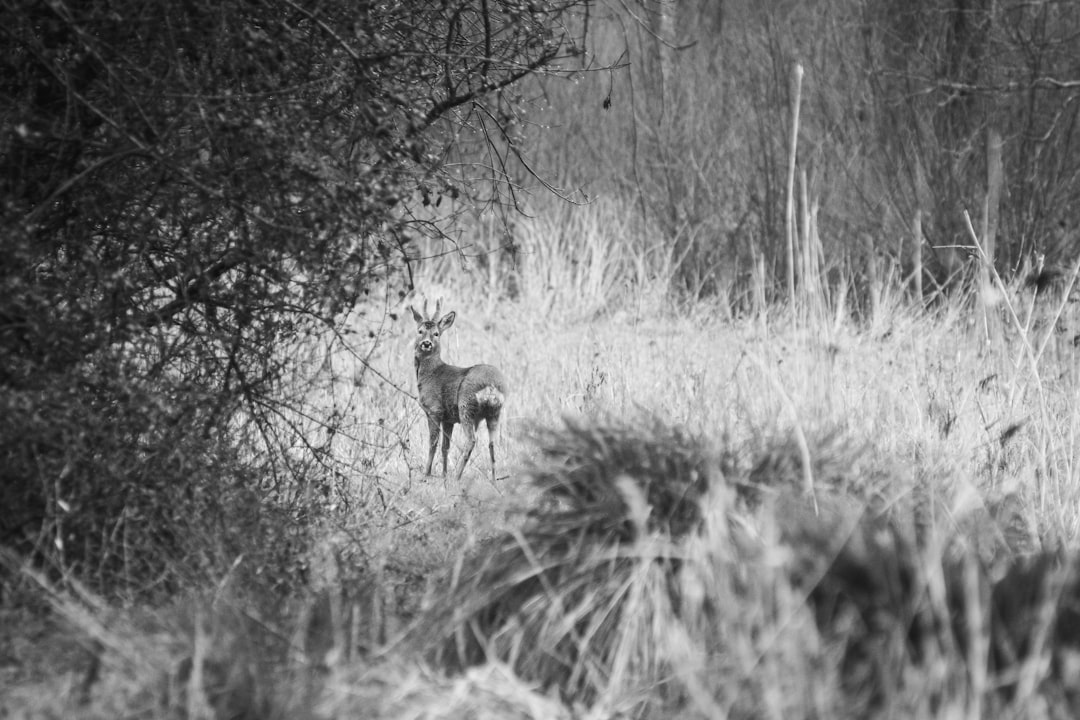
(469, 426)
(492, 428)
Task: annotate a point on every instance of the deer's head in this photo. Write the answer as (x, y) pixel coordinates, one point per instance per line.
(428, 330)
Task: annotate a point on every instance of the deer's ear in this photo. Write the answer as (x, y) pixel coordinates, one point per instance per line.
(447, 320)
(416, 316)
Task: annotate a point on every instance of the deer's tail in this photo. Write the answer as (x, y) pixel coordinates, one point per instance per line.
(490, 396)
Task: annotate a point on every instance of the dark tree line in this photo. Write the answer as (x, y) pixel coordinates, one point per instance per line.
(948, 75)
(899, 102)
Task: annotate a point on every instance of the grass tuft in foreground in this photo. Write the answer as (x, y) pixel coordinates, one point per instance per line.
(649, 581)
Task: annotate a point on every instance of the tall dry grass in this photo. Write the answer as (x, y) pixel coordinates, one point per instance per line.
(753, 514)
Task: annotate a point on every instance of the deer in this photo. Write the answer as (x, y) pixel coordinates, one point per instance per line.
(450, 394)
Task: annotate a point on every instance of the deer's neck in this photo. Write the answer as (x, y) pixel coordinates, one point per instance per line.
(426, 365)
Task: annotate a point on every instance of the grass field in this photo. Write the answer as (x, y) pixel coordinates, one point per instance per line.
(696, 515)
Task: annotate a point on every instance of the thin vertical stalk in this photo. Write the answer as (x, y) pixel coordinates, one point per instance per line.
(917, 243)
(797, 74)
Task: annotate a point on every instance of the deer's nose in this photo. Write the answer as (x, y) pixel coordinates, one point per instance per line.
(425, 345)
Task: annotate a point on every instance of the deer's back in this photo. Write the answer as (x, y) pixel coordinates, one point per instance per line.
(483, 391)
(447, 391)
(481, 378)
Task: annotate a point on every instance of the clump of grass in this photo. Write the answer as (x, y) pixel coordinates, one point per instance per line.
(828, 460)
(602, 471)
(642, 584)
(598, 557)
(595, 595)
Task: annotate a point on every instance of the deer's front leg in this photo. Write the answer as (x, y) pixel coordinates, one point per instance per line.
(433, 441)
(447, 433)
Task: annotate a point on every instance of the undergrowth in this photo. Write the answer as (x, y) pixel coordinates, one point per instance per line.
(704, 508)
